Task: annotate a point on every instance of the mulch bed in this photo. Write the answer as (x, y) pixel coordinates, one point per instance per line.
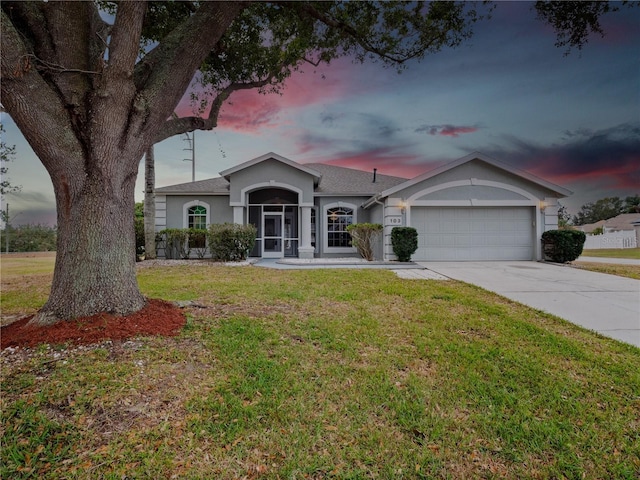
(156, 318)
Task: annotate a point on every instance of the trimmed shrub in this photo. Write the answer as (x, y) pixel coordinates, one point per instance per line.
(563, 246)
(176, 245)
(404, 241)
(198, 241)
(231, 242)
(364, 236)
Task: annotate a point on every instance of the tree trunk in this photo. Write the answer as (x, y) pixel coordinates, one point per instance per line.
(95, 262)
(149, 205)
(90, 108)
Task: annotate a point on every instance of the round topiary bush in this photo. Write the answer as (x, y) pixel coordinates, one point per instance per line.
(563, 246)
(404, 241)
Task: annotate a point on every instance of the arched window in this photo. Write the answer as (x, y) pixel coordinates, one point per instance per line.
(197, 217)
(337, 218)
(196, 214)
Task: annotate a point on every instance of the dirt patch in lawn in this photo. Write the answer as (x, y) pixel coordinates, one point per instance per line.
(156, 318)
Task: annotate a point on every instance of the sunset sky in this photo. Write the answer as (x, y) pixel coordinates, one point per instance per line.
(508, 93)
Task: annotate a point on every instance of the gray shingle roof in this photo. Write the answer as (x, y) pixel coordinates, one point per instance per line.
(348, 181)
(210, 186)
(624, 221)
(335, 181)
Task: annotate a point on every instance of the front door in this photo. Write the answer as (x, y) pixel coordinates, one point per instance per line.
(272, 236)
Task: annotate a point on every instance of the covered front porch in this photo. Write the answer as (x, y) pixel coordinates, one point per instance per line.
(285, 228)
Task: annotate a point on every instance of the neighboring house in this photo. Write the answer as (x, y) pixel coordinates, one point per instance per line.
(623, 222)
(622, 231)
(474, 208)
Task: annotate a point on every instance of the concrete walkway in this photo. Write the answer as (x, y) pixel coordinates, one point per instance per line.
(608, 304)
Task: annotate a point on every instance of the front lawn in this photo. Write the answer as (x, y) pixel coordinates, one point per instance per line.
(633, 253)
(324, 373)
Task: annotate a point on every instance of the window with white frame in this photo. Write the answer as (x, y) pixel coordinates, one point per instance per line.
(196, 214)
(197, 217)
(336, 219)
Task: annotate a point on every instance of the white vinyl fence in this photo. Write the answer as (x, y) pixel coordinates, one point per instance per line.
(624, 239)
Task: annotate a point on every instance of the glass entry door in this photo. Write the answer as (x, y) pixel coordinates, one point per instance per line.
(272, 235)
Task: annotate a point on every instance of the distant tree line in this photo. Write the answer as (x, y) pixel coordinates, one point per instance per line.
(28, 238)
(606, 208)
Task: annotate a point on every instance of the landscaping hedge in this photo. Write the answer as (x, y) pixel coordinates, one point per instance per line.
(231, 242)
(404, 241)
(563, 245)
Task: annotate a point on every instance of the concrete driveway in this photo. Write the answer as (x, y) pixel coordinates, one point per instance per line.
(608, 304)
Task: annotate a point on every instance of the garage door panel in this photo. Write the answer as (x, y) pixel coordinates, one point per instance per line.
(476, 233)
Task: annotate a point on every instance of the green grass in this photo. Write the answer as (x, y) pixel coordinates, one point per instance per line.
(630, 271)
(26, 279)
(343, 374)
(633, 253)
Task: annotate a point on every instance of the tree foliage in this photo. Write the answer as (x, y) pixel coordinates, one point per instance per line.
(7, 154)
(605, 208)
(30, 238)
(575, 22)
(268, 41)
(632, 204)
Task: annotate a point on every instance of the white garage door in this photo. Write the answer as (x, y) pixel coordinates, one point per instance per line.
(474, 233)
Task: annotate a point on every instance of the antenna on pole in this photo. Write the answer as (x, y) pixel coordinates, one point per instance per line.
(192, 148)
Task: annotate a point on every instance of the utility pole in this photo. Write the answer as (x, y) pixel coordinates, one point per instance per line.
(192, 148)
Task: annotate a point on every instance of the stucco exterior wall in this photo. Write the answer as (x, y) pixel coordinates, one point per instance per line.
(474, 170)
(219, 209)
(270, 173)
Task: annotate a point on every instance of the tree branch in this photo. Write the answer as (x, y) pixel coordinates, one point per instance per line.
(125, 37)
(54, 67)
(165, 73)
(312, 12)
(178, 126)
(19, 82)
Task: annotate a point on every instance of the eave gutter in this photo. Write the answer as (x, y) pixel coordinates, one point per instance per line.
(371, 201)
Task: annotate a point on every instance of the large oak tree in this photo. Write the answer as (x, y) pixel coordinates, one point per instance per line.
(90, 104)
(92, 86)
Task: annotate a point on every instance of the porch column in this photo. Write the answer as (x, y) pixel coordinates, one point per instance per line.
(238, 215)
(305, 250)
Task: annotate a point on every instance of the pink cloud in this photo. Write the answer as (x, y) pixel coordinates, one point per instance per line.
(249, 111)
(446, 130)
(385, 160)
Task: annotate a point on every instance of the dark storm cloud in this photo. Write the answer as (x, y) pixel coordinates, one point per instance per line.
(583, 154)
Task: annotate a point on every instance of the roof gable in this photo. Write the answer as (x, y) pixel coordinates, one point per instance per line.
(272, 156)
(476, 156)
